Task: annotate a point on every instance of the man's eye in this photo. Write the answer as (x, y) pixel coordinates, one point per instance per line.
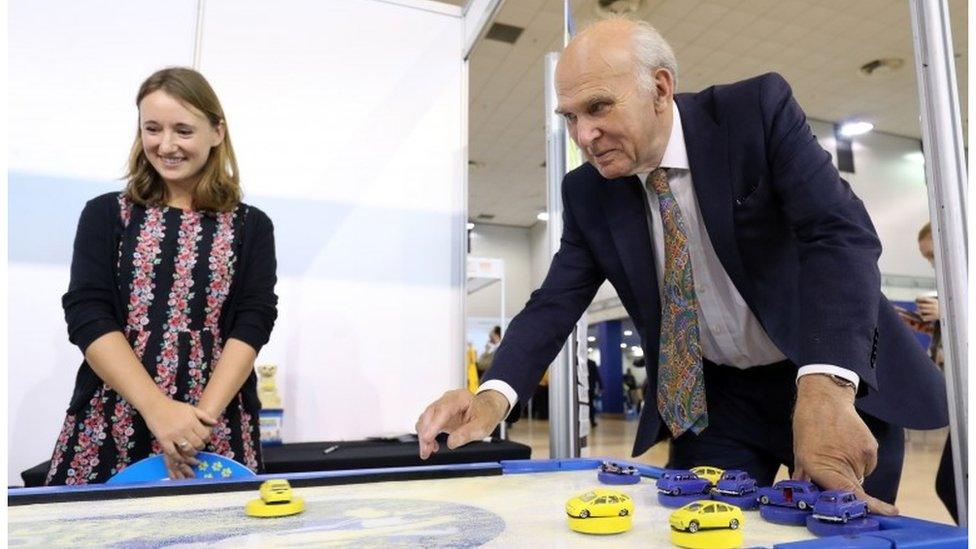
(150, 129)
(185, 132)
(570, 118)
(598, 108)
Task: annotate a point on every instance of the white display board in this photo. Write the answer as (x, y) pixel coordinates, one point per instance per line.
(348, 127)
(74, 70)
(348, 119)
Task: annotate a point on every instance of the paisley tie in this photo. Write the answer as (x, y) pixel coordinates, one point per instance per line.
(680, 377)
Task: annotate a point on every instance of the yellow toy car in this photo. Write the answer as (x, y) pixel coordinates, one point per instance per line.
(276, 500)
(711, 474)
(275, 491)
(706, 514)
(600, 503)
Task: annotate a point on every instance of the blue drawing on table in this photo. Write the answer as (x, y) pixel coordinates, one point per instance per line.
(344, 522)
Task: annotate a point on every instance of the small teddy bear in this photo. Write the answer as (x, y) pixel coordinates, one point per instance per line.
(267, 387)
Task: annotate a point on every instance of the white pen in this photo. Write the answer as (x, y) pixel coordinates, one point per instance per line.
(331, 449)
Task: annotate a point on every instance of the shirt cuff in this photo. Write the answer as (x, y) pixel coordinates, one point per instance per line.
(831, 370)
(503, 388)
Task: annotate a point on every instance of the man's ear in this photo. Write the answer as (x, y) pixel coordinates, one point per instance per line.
(663, 88)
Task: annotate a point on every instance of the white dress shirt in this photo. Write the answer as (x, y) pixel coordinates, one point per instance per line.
(730, 333)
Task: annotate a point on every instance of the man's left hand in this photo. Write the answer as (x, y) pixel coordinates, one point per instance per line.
(832, 446)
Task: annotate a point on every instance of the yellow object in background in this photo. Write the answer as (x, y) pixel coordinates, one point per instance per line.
(276, 500)
(472, 360)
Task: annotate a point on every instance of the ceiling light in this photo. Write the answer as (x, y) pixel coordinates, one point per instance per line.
(628, 333)
(542, 216)
(637, 350)
(589, 349)
(470, 226)
(623, 345)
(615, 8)
(591, 339)
(882, 67)
(850, 129)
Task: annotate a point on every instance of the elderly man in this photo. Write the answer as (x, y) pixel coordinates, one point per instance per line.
(748, 264)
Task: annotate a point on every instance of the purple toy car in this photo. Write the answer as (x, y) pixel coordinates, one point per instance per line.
(839, 506)
(735, 483)
(678, 482)
(790, 493)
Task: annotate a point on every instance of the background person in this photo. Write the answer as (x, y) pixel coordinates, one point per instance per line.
(486, 357)
(926, 320)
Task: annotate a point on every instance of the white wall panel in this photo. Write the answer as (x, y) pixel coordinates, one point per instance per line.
(347, 120)
(74, 70)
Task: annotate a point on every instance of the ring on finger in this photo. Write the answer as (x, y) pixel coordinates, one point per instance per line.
(183, 444)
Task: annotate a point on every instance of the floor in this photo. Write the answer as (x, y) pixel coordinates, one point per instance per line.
(614, 437)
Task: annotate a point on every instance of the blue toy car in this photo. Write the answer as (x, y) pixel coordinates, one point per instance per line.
(839, 506)
(676, 482)
(790, 493)
(735, 483)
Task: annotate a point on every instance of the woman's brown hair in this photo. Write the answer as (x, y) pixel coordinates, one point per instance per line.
(218, 188)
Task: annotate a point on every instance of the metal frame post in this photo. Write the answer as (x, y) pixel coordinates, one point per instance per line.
(945, 173)
(563, 397)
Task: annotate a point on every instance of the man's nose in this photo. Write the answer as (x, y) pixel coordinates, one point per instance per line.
(586, 133)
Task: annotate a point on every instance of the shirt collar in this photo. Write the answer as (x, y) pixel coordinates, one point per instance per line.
(675, 154)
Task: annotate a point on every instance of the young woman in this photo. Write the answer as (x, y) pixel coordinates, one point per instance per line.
(171, 298)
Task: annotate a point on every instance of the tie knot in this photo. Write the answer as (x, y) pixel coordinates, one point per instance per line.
(658, 180)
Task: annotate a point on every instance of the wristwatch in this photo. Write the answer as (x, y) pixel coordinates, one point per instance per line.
(841, 381)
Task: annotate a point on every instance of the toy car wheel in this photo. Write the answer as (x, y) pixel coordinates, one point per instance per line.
(764, 500)
(693, 526)
(584, 513)
(734, 524)
(623, 512)
(676, 491)
(802, 505)
(846, 517)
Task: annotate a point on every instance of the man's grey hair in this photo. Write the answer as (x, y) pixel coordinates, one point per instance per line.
(652, 52)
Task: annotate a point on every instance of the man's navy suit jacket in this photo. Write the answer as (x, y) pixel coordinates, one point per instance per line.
(795, 240)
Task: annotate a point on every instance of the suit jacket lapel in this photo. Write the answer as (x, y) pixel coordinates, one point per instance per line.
(625, 209)
(708, 156)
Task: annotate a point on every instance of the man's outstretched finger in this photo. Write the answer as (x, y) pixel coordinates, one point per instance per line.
(428, 448)
(800, 474)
